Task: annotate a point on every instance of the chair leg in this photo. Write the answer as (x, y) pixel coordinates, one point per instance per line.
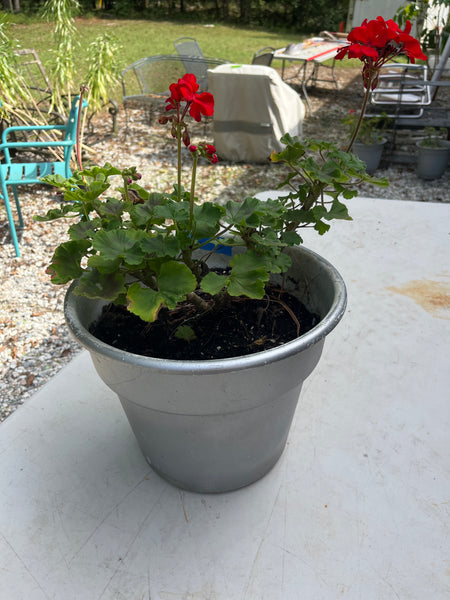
(12, 227)
(16, 198)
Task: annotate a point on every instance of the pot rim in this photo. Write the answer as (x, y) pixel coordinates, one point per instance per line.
(380, 142)
(443, 147)
(258, 359)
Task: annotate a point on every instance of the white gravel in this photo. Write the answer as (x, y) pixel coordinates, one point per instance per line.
(34, 341)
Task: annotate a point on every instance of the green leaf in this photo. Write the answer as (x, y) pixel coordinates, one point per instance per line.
(186, 333)
(213, 283)
(58, 213)
(144, 302)
(245, 213)
(279, 263)
(319, 212)
(83, 229)
(143, 215)
(175, 211)
(321, 227)
(103, 264)
(291, 238)
(175, 280)
(66, 260)
(120, 243)
(109, 207)
(107, 286)
(338, 211)
(248, 275)
(207, 219)
(160, 245)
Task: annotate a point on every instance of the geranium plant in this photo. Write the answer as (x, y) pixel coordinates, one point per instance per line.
(140, 249)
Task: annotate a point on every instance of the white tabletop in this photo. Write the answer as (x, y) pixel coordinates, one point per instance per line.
(357, 507)
(309, 50)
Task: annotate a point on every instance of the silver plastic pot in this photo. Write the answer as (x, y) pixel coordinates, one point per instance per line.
(217, 425)
(370, 154)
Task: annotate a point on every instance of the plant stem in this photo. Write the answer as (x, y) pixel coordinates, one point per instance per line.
(179, 161)
(361, 115)
(192, 195)
(78, 144)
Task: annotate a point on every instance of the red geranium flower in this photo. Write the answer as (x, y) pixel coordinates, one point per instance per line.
(377, 41)
(185, 90)
(202, 104)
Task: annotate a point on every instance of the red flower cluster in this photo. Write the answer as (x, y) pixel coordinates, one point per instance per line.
(185, 90)
(208, 151)
(378, 41)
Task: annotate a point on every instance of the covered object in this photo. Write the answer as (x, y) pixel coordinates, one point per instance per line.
(253, 109)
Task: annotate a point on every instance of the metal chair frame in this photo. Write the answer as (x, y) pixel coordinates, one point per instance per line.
(263, 56)
(145, 82)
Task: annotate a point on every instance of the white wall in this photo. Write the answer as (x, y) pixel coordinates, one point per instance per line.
(371, 9)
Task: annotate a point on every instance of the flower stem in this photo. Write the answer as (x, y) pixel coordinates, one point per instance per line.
(83, 89)
(361, 116)
(192, 194)
(179, 161)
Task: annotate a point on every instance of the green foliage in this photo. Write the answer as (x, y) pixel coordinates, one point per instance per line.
(371, 128)
(104, 71)
(434, 138)
(147, 254)
(12, 85)
(61, 14)
(186, 333)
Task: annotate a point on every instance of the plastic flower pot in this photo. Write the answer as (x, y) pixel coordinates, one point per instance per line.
(217, 425)
(370, 154)
(432, 162)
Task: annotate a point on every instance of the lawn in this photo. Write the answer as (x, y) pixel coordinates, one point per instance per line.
(140, 38)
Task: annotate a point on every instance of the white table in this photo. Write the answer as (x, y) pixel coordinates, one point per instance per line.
(311, 52)
(357, 507)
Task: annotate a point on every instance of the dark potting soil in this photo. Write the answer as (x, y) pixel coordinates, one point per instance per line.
(239, 327)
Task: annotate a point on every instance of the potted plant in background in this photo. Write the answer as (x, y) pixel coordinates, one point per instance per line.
(370, 142)
(210, 417)
(433, 153)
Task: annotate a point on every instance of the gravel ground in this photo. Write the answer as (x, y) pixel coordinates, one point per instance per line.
(34, 341)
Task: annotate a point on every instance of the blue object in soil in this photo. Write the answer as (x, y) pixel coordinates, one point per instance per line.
(227, 250)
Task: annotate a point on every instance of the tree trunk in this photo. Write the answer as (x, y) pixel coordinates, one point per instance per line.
(245, 11)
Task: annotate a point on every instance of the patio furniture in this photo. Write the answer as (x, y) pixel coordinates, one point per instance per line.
(407, 95)
(145, 83)
(194, 60)
(264, 56)
(314, 52)
(249, 130)
(25, 173)
(404, 91)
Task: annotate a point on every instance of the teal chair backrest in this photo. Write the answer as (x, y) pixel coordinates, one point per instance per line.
(19, 173)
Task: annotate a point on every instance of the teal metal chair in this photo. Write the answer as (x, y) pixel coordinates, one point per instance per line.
(16, 173)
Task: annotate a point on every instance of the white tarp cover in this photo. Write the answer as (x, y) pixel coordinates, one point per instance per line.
(254, 107)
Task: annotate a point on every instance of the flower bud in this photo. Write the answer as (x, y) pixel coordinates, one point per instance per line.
(186, 138)
(192, 148)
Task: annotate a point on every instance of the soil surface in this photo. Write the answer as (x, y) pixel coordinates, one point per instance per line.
(240, 326)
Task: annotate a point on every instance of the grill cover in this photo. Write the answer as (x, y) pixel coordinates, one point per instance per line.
(254, 107)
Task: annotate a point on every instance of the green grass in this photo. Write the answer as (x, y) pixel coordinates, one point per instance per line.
(139, 38)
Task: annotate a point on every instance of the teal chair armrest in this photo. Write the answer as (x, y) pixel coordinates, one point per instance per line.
(9, 130)
(62, 143)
